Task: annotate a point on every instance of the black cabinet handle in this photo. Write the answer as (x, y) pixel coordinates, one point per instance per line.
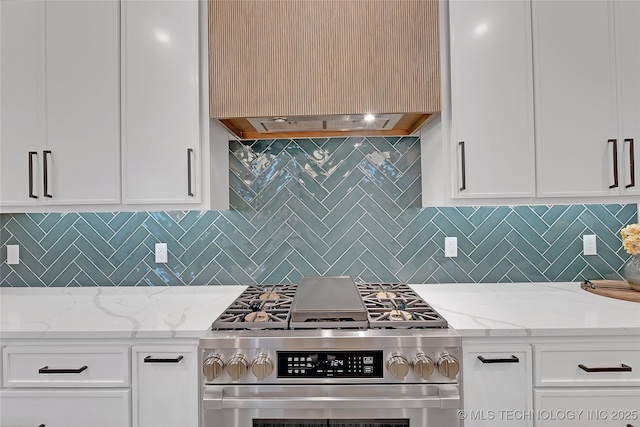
(463, 166)
(632, 164)
(41, 425)
(46, 174)
(512, 359)
(629, 425)
(47, 370)
(189, 155)
(621, 368)
(615, 163)
(31, 154)
(150, 359)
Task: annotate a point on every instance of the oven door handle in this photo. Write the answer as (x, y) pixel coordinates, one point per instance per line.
(447, 398)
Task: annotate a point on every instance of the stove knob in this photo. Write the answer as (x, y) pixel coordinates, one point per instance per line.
(448, 366)
(423, 366)
(213, 367)
(398, 366)
(237, 366)
(262, 367)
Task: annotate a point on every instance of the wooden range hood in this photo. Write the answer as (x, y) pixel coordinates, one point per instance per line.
(314, 68)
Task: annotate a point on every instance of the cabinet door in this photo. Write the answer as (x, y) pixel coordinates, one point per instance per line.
(589, 407)
(499, 387)
(21, 100)
(575, 97)
(492, 98)
(60, 103)
(65, 408)
(165, 386)
(160, 101)
(82, 102)
(628, 53)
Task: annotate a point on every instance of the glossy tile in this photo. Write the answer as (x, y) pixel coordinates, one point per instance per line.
(312, 207)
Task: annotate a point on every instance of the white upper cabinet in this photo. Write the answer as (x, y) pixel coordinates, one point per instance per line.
(83, 106)
(492, 151)
(21, 101)
(581, 61)
(60, 106)
(628, 54)
(161, 146)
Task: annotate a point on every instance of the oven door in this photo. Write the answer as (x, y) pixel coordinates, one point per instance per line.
(331, 405)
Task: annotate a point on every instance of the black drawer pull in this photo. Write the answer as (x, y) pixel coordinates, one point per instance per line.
(512, 359)
(41, 425)
(150, 359)
(632, 164)
(31, 154)
(621, 368)
(615, 163)
(46, 173)
(463, 166)
(189, 172)
(47, 370)
(629, 425)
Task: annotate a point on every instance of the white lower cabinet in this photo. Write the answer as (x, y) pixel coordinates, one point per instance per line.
(165, 387)
(551, 381)
(99, 383)
(65, 385)
(587, 384)
(65, 408)
(497, 383)
(585, 407)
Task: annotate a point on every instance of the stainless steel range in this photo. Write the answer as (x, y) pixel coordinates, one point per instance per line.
(329, 352)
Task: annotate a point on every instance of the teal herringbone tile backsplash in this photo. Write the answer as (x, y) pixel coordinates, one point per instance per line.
(317, 206)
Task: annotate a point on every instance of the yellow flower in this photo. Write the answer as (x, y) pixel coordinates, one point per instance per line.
(631, 238)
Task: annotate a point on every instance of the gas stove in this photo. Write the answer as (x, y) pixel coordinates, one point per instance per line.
(325, 345)
(269, 331)
(329, 303)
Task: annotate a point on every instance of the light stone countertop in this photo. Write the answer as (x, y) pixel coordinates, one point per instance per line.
(530, 309)
(474, 310)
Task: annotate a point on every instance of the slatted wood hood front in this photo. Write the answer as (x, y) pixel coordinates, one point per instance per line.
(301, 58)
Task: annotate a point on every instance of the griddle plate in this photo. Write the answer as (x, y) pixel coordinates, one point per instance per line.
(327, 298)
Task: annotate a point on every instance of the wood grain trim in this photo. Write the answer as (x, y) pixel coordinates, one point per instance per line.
(292, 57)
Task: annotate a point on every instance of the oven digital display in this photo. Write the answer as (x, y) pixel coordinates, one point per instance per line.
(328, 364)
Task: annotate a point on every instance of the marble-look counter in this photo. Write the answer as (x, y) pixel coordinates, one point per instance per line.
(530, 309)
(112, 312)
(474, 310)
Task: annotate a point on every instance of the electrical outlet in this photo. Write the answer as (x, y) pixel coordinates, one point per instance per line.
(450, 247)
(589, 244)
(161, 253)
(13, 254)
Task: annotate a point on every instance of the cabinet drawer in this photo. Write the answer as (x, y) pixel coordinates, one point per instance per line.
(66, 367)
(582, 365)
(65, 408)
(580, 407)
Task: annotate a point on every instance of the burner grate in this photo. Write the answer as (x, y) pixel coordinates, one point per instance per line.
(388, 306)
(258, 307)
(396, 305)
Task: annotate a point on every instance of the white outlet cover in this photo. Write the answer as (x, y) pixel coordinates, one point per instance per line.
(161, 253)
(13, 254)
(450, 247)
(589, 246)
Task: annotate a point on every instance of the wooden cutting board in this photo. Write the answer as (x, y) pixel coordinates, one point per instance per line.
(618, 289)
